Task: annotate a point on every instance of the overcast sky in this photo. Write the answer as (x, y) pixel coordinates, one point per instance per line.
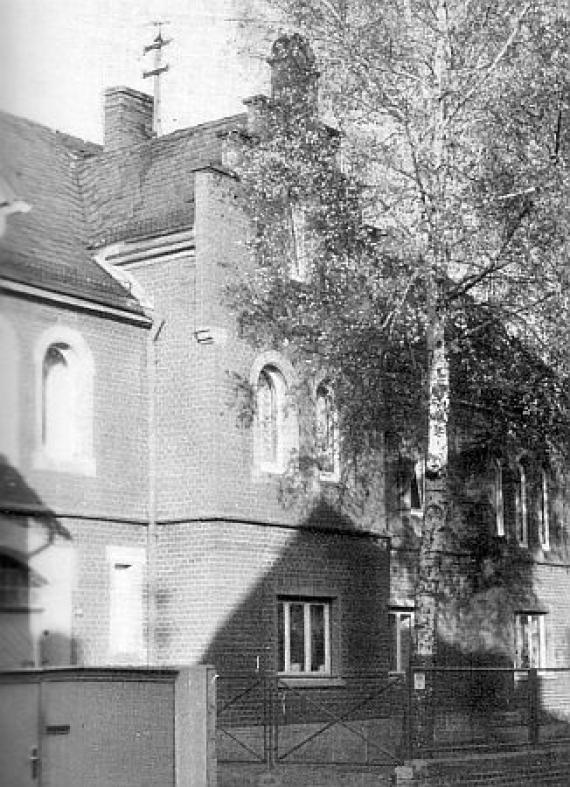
(57, 56)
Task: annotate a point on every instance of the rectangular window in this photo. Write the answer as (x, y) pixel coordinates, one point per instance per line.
(543, 512)
(401, 634)
(499, 502)
(521, 508)
(126, 613)
(304, 630)
(530, 641)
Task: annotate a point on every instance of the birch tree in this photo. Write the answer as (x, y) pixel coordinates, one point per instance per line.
(450, 215)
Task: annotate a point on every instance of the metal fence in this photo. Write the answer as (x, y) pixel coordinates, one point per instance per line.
(488, 708)
(347, 719)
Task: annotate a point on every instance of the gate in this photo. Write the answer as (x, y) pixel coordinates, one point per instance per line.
(98, 727)
(346, 720)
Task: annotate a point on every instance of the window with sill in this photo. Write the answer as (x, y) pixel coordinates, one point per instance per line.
(327, 437)
(530, 640)
(401, 634)
(304, 637)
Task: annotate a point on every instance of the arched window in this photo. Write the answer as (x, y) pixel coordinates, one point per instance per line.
(59, 402)
(65, 402)
(268, 420)
(327, 439)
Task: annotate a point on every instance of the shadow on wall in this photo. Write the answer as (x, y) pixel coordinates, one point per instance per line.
(327, 561)
(35, 578)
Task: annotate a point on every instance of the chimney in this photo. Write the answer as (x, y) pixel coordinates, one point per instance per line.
(294, 76)
(128, 117)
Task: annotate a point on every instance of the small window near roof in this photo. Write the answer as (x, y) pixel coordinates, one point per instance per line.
(327, 438)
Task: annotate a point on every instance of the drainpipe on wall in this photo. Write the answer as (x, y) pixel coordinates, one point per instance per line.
(157, 325)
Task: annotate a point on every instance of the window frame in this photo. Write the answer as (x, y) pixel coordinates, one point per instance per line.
(539, 618)
(331, 413)
(521, 505)
(498, 498)
(307, 603)
(281, 374)
(544, 512)
(396, 614)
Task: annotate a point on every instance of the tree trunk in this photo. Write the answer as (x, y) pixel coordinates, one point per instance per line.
(433, 537)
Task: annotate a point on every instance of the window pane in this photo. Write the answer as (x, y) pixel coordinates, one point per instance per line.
(297, 637)
(405, 640)
(280, 637)
(317, 638)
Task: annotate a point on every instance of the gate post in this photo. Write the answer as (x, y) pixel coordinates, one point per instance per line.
(195, 727)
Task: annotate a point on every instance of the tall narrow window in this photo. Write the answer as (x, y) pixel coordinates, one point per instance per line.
(499, 502)
(401, 627)
(304, 636)
(59, 402)
(543, 512)
(530, 640)
(327, 442)
(521, 506)
(270, 394)
(65, 374)
(126, 603)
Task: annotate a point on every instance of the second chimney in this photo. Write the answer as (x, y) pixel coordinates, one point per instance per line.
(128, 117)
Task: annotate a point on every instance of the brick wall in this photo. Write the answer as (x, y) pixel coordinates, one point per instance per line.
(219, 583)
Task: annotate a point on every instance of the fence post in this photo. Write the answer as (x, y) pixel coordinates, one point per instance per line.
(533, 700)
(408, 714)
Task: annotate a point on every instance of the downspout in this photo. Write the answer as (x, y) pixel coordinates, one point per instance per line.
(151, 546)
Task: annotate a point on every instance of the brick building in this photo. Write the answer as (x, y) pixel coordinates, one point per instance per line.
(142, 516)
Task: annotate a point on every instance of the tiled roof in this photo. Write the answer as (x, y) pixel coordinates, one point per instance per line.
(149, 188)
(47, 246)
(83, 198)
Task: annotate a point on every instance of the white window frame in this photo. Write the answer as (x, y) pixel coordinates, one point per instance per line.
(396, 647)
(536, 621)
(281, 375)
(499, 502)
(544, 513)
(521, 506)
(306, 669)
(334, 474)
